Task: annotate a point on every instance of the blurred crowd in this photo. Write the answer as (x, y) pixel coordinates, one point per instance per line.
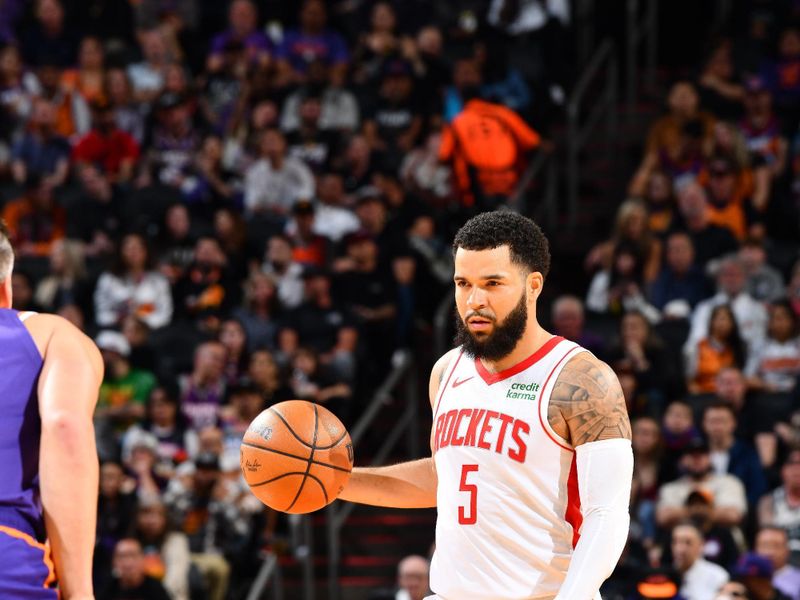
(694, 300)
(244, 202)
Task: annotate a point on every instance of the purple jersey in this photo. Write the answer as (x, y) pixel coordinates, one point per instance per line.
(26, 570)
(20, 427)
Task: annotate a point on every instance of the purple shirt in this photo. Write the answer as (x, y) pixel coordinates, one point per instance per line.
(253, 43)
(301, 49)
(787, 580)
(20, 427)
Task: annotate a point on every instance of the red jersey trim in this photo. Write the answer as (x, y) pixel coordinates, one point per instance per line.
(543, 351)
(573, 514)
(544, 389)
(446, 383)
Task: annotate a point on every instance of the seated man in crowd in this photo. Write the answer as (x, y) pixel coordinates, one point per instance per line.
(35, 220)
(700, 579)
(773, 543)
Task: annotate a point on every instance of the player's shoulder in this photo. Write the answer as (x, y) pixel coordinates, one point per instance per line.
(440, 368)
(54, 334)
(587, 401)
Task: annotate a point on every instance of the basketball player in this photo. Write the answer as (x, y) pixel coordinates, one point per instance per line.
(532, 462)
(50, 374)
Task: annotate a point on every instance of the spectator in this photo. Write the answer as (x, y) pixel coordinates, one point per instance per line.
(287, 274)
(679, 429)
(264, 373)
(774, 365)
(67, 282)
(700, 578)
(764, 282)
(666, 139)
(22, 291)
(73, 118)
(173, 143)
(202, 503)
(166, 553)
(681, 280)
(208, 185)
(50, 38)
(773, 543)
(720, 93)
(568, 319)
(333, 219)
(311, 42)
(233, 336)
(486, 167)
(130, 579)
(125, 390)
(720, 546)
(308, 247)
(147, 77)
(620, 287)
(733, 590)
(647, 476)
(781, 507)
(106, 146)
(88, 78)
(34, 221)
(751, 316)
(131, 287)
(339, 109)
(660, 200)
(19, 88)
(258, 312)
(630, 228)
(242, 30)
(116, 510)
(756, 572)
(761, 129)
(377, 45)
(276, 181)
(128, 113)
(205, 293)
(642, 353)
(730, 454)
(722, 347)
(412, 580)
(730, 503)
(728, 202)
(314, 382)
(710, 241)
(41, 150)
(176, 243)
(203, 390)
(165, 422)
(245, 403)
(308, 142)
(100, 208)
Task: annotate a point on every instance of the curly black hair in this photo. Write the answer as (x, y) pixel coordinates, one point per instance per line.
(527, 243)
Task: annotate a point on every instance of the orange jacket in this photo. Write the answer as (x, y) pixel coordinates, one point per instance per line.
(489, 141)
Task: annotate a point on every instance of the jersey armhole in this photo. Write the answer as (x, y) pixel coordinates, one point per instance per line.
(445, 383)
(544, 398)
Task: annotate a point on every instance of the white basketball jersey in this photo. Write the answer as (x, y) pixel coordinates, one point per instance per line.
(508, 507)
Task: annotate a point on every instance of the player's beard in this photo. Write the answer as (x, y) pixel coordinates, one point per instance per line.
(503, 338)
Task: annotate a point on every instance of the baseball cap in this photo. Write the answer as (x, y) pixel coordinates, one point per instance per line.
(701, 496)
(751, 564)
(696, 446)
(310, 271)
(357, 237)
(303, 207)
(113, 341)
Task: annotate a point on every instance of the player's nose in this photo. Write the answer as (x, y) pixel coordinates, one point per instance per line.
(476, 298)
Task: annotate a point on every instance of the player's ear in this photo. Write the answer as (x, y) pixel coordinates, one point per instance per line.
(533, 285)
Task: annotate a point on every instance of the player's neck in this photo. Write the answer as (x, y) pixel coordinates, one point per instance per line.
(534, 338)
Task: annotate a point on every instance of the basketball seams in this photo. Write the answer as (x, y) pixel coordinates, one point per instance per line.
(276, 478)
(310, 456)
(322, 487)
(304, 459)
(289, 427)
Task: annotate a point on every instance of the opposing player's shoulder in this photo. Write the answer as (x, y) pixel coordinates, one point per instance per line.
(438, 371)
(587, 404)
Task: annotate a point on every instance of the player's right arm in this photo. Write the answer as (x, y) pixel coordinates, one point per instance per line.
(405, 485)
(68, 468)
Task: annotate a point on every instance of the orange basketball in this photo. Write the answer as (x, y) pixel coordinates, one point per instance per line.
(296, 456)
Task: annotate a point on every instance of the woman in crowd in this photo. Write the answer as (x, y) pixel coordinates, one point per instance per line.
(67, 282)
(233, 336)
(722, 347)
(88, 78)
(166, 552)
(257, 313)
(774, 365)
(132, 287)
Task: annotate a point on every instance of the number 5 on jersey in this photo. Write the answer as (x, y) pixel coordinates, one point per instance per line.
(468, 517)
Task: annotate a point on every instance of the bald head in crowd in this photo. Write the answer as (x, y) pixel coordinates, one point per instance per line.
(412, 576)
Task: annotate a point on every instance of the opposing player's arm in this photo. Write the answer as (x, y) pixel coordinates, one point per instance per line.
(404, 485)
(71, 375)
(587, 409)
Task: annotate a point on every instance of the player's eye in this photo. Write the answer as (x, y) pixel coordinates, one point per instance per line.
(461, 283)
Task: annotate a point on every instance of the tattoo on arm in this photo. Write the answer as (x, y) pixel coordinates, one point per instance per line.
(587, 402)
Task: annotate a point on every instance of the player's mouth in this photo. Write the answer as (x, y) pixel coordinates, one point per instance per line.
(479, 324)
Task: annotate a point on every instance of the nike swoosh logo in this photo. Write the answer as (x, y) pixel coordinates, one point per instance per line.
(457, 383)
